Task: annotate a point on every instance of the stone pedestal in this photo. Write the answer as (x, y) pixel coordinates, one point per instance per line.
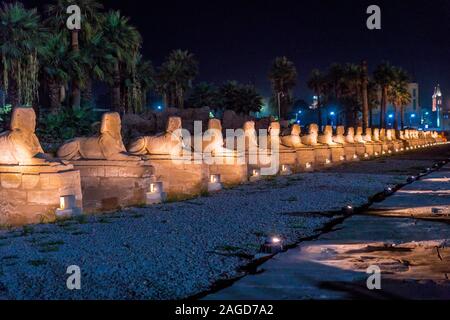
(31, 194)
(350, 152)
(232, 169)
(322, 155)
(337, 153)
(377, 149)
(288, 158)
(306, 159)
(109, 185)
(360, 150)
(182, 179)
(370, 148)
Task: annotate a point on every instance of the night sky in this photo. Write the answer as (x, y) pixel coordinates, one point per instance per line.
(237, 40)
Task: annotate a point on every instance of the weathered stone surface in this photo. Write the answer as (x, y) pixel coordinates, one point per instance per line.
(31, 183)
(110, 185)
(107, 146)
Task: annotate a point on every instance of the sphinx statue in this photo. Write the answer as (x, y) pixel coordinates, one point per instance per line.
(213, 139)
(368, 136)
(251, 138)
(107, 146)
(389, 135)
(20, 145)
(350, 137)
(376, 135)
(311, 138)
(274, 137)
(339, 137)
(359, 135)
(293, 140)
(327, 136)
(169, 142)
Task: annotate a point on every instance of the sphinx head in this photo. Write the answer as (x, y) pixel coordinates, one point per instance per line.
(328, 131)
(111, 124)
(340, 130)
(249, 126)
(359, 131)
(274, 129)
(313, 129)
(214, 124)
(351, 131)
(369, 132)
(173, 124)
(23, 119)
(296, 130)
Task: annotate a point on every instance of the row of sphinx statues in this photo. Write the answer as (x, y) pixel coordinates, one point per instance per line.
(100, 174)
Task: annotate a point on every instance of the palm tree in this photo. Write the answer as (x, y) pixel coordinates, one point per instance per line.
(365, 94)
(383, 76)
(124, 41)
(398, 94)
(90, 20)
(283, 76)
(59, 64)
(240, 98)
(176, 75)
(20, 34)
(373, 100)
(140, 79)
(204, 95)
(318, 84)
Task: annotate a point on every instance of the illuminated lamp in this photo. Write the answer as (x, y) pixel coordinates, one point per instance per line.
(285, 170)
(273, 245)
(214, 184)
(255, 175)
(68, 207)
(156, 193)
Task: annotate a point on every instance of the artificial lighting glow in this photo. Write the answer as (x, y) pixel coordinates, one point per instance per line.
(342, 158)
(376, 153)
(275, 240)
(384, 152)
(159, 107)
(308, 165)
(255, 173)
(67, 202)
(413, 115)
(214, 178)
(156, 187)
(355, 156)
(366, 155)
(332, 113)
(327, 161)
(391, 116)
(396, 150)
(390, 151)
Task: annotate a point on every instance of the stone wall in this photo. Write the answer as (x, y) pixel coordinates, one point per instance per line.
(29, 196)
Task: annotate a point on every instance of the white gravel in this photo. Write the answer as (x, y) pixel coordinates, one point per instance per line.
(174, 250)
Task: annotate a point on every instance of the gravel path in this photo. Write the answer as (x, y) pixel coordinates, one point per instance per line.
(177, 250)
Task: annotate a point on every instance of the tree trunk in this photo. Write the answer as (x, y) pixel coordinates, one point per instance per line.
(86, 94)
(395, 117)
(370, 118)
(383, 108)
(76, 92)
(402, 117)
(365, 109)
(54, 91)
(319, 111)
(116, 88)
(14, 93)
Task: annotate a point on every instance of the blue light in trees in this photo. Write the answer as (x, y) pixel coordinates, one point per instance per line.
(332, 113)
(391, 116)
(413, 115)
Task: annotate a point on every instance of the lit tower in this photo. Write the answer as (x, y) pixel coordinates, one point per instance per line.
(437, 104)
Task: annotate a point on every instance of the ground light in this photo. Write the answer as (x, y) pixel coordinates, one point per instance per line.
(308, 165)
(255, 175)
(348, 209)
(342, 158)
(215, 183)
(355, 156)
(376, 154)
(67, 207)
(327, 161)
(411, 179)
(273, 245)
(156, 193)
(285, 170)
(388, 191)
(366, 155)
